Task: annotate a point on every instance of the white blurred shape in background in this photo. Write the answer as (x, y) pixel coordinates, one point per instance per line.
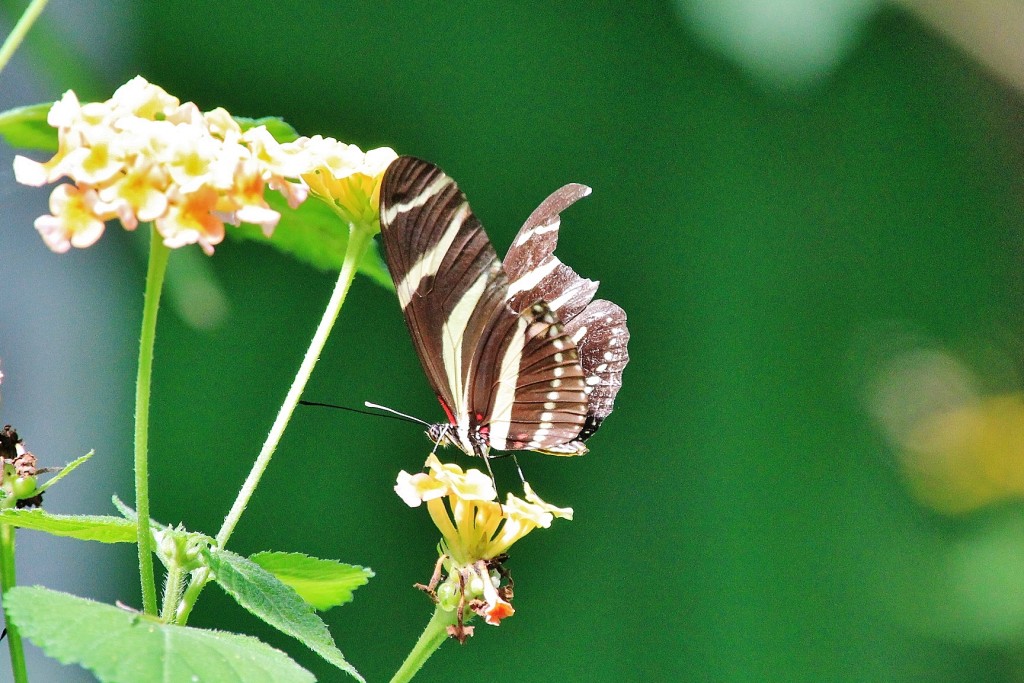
(787, 44)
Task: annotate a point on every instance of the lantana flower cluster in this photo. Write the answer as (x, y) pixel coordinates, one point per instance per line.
(144, 156)
(476, 532)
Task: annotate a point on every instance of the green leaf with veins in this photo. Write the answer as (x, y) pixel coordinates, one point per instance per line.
(120, 646)
(102, 528)
(321, 583)
(263, 594)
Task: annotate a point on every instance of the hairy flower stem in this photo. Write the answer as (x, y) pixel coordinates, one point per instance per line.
(359, 240)
(173, 585)
(433, 635)
(6, 583)
(21, 29)
(158, 255)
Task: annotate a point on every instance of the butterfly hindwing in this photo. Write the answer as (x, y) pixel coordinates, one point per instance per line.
(597, 327)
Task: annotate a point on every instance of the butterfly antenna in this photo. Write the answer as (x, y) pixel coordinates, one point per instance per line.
(403, 416)
(395, 414)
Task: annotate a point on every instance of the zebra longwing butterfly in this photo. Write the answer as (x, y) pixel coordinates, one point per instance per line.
(518, 354)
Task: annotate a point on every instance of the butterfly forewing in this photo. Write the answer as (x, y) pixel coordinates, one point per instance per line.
(481, 356)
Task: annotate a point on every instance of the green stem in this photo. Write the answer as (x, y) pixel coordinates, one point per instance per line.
(433, 635)
(359, 239)
(21, 29)
(158, 255)
(197, 581)
(6, 583)
(357, 243)
(173, 585)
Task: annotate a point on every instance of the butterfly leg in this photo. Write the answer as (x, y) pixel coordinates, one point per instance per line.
(518, 468)
(483, 452)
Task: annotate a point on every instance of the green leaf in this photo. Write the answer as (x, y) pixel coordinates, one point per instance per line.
(66, 470)
(276, 126)
(314, 234)
(322, 583)
(26, 127)
(119, 646)
(372, 266)
(102, 528)
(260, 592)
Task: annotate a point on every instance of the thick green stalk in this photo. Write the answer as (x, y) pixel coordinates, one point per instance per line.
(158, 255)
(433, 635)
(7, 582)
(359, 240)
(20, 30)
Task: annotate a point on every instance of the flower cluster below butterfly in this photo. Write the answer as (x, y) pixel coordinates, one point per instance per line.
(519, 353)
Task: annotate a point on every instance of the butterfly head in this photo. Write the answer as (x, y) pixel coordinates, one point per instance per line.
(470, 443)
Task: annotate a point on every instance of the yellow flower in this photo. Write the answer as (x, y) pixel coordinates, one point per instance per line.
(189, 220)
(141, 98)
(345, 177)
(281, 162)
(139, 194)
(145, 156)
(245, 202)
(476, 531)
(74, 221)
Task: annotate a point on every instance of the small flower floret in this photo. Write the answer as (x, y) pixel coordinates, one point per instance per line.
(345, 177)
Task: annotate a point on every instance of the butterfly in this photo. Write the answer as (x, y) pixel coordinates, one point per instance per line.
(518, 353)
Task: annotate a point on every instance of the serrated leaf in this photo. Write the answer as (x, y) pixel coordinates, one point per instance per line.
(66, 470)
(260, 592)
(314, 234)
(125, 647)
(26, 127)
(102, 528)
(276, 126)
(322, 583)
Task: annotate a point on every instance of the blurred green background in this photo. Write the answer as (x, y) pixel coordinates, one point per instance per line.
(782, 238)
